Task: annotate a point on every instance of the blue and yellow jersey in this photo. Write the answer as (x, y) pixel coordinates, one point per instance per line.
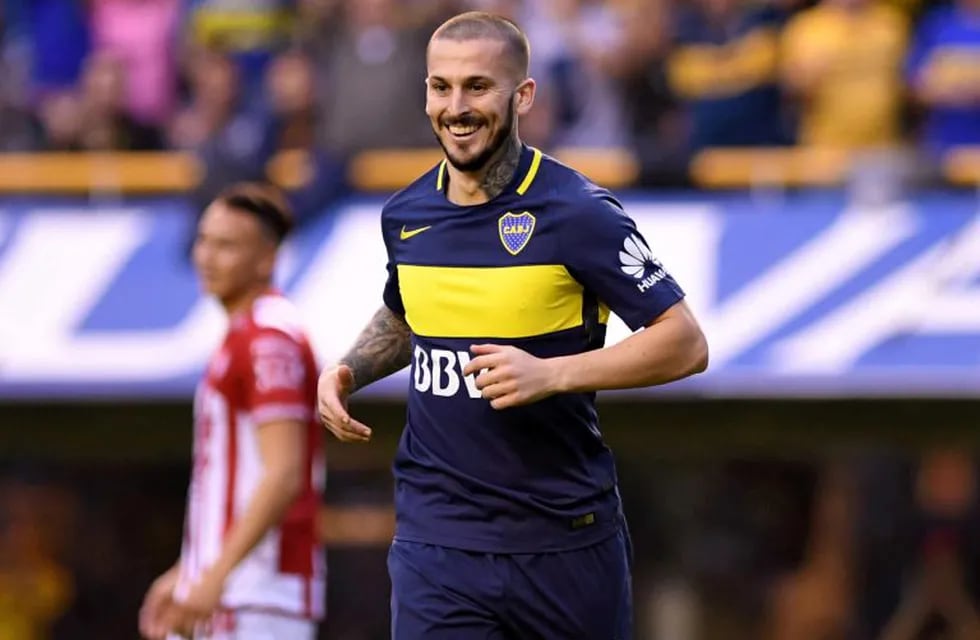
(945, 56)
(728, 77)
(538, 267)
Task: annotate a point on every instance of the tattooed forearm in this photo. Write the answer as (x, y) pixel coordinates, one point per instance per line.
(383, 348)
(501, 172)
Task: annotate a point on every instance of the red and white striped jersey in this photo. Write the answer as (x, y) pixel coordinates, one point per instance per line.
(264, 371)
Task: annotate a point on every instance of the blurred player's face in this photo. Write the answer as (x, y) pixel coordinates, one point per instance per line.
(233, 254)
(473, 93)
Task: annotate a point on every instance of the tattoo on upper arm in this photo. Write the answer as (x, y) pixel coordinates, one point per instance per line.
(384, 347)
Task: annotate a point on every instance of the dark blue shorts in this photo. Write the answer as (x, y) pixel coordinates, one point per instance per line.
(439, 593)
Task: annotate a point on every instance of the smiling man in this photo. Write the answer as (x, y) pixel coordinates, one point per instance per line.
(503, 265)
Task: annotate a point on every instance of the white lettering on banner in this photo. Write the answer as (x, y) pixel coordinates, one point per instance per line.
(915, 299)
(58, 263)
(57, 266)
(440, 372)
(341, 289)
(790, 286)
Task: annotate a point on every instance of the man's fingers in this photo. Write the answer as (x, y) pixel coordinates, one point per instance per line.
(485, 349)
(332, 409)
(498, 390)
(352, 431)
(505, 401)
(491, 376)
(488, 361)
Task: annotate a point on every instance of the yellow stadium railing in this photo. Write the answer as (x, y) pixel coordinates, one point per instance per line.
(129, 172)
(175, 172)
(961, 166)
(390, 169)
(744, 167)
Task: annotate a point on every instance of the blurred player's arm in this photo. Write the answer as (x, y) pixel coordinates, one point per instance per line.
(157, 604)
(383, 347)
(669, 348)
(281, 449)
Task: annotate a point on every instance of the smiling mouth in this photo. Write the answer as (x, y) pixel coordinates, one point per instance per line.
(462, 132)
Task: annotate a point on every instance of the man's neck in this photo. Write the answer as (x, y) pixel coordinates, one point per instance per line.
(481, 186)
(243, 302)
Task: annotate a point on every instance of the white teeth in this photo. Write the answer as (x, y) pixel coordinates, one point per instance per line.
(458, 130)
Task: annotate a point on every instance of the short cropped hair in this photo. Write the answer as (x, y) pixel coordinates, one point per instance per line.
(477, 25)
(263, 201)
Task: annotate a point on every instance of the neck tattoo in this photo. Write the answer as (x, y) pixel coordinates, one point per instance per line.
(501, 171)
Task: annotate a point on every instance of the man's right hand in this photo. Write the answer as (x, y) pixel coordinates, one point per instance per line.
(335, 385)
(157, 604)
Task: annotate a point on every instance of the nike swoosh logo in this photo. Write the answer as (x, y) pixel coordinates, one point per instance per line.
(405, 234)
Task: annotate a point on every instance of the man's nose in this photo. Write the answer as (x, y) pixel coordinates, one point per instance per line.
(457, 103)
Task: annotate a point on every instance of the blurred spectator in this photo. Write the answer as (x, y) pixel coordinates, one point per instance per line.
(59, 35)
(316, 21)
(940, 589)
(60, 119)
(919, 548)
(142, 35)
(233, 141)
(538, 125)
(34, 587)
(17, 132)
(372, 92)
(944, 74)
(816, 601)
(574, 48)
(842, 60)
(658, 128)
(290, 89)
(724, 67)
(94, 118)
(250, 31)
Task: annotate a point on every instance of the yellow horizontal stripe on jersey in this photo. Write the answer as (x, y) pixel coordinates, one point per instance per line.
(489, 302)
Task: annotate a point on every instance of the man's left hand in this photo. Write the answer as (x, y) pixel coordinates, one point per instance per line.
(511, 377)
(198, 606)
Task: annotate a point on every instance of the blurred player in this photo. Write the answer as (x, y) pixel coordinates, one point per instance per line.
(250, 566)
(503, 267)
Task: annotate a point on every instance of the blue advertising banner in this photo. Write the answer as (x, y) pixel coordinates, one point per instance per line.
(806, 296)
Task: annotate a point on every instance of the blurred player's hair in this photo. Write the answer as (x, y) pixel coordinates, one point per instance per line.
(266, 202)
(477, 25)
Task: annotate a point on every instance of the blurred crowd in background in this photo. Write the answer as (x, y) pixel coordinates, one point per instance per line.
(238, 80)
(737, 549)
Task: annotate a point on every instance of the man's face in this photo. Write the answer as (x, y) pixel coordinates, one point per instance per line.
(233, 254)
(472, 93)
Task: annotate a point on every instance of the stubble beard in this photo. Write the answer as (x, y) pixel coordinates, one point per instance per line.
(496, 143)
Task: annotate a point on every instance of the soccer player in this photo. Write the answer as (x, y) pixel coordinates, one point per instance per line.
(250, 566)
(503, 266)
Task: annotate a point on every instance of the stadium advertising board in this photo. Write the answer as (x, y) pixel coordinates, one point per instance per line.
(806, 296)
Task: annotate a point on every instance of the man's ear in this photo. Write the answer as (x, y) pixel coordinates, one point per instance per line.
(524, 96)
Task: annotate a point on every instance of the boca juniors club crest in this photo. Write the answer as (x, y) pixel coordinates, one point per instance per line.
(515, 230)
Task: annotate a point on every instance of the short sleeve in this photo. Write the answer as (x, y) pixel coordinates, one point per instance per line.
(606, 253)
(392, 293)
(276, 378)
